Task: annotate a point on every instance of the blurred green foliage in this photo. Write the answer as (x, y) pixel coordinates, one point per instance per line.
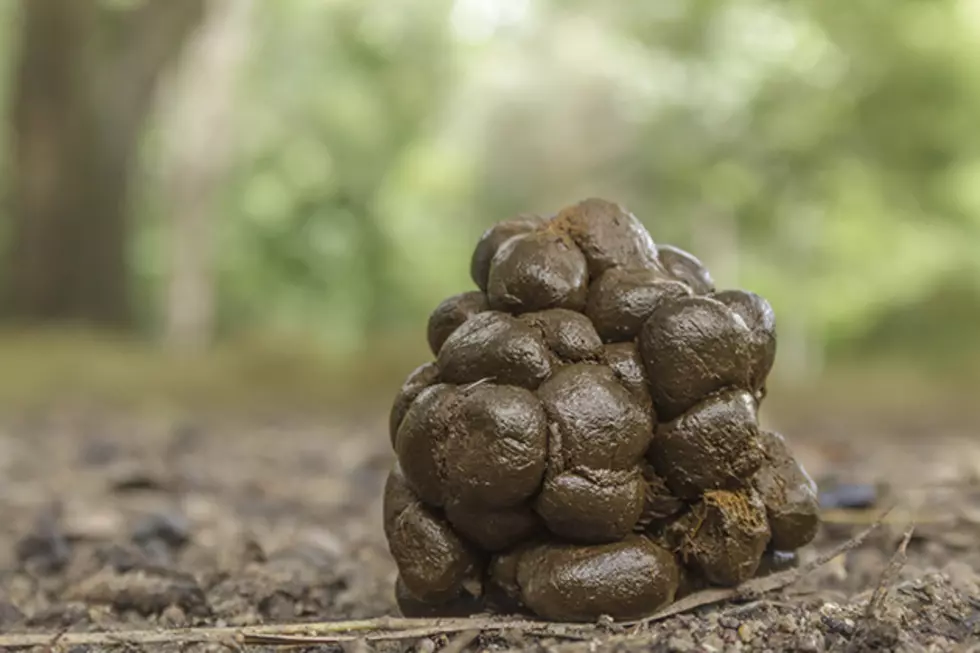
(823, 154)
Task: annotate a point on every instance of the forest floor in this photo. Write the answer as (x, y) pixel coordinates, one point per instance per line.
(112, 522)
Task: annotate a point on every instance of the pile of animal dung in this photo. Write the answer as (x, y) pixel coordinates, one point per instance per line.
(586, 441)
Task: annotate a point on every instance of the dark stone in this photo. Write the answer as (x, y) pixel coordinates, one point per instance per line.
(46, 549)
(774, 562)
(170, 529)
(848, 496)
(10, 615)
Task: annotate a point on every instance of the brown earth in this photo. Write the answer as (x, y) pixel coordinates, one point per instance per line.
(111, 522)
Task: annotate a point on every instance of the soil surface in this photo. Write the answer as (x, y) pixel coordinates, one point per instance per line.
(112, 522)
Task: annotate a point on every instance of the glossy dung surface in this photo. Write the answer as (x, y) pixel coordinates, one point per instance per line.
(586, 441)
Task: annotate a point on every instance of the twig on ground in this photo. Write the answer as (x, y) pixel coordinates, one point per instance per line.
(857, 517)
(381, 629)
(876, 602)
(458, 643)
(389, 628)
(888, 576)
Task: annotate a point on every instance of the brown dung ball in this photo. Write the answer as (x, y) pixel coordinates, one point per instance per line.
(536, 271)
(435, 564)
(621, 300)
(789, 494)
(483, 447)
(422, 436)
(595, 421)
(761, 321)
(451, 314)
(713, 446)
(495, 346)
(494, 529)
(463, 604)
(623, 358)
(774, 562)
(609, 236)
(422, 377)
(491, 241)
(687, 268)
(728, 536)
(495, 453)
(625, 580)
(693, 346)
(598, 433)
(591, 505)
(569, 336)
(586, 441)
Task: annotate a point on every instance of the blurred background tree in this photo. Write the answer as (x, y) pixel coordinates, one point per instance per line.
(203, 172)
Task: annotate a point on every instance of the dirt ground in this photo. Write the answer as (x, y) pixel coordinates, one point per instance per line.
(112, 522)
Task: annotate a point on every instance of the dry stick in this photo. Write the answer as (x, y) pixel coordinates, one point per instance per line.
(458, 643)
(388, 628)
(426, 628)
(383, 628)
(859, 517)
(877, 601)
(888, 576)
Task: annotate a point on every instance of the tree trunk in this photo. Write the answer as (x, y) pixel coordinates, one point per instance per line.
(198, 154)
(80, 100)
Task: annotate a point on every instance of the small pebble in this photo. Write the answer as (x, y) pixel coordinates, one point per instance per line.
(168, 528)
(786, 623)
(46, 548)
(426, 645)
(130, 479)
(745, 633)
(98, 452)
(726, 621)
(848, 496)
(812, 642)
(9, 614)
(677, 644)
(713, 643)
(173, 616)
